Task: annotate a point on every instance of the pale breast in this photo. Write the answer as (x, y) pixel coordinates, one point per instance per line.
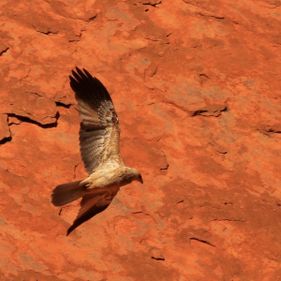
(109, 174)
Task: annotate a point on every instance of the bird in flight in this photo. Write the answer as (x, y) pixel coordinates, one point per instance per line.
(99, 146)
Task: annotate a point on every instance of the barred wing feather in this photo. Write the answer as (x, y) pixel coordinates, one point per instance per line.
(99, 127)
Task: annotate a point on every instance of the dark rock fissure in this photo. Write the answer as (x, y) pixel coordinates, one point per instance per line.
(5, 140)
(152, 4)
(208, 112)
(29, 120)
(4, 51)
(62, 104)
(202, 241)
(160, 258)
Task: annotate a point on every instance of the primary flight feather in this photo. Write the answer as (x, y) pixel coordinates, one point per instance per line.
(99, 146)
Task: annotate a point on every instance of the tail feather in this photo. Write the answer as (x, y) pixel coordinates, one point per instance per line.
(68, 192)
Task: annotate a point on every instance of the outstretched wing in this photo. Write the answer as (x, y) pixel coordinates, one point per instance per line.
(99, 127)
(92, 204)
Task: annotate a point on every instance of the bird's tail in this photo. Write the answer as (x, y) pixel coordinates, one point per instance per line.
(67, 192)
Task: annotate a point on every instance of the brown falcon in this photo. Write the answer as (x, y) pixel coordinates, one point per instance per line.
(99, 147)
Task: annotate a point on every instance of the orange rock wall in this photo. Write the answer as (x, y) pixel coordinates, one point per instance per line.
(196, 84)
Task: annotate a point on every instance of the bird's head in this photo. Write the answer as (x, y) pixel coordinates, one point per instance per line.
(134, 174)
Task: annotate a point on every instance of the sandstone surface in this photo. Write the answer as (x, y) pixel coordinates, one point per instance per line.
(196, 84)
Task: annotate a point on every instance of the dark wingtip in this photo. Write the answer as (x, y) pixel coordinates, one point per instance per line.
(85, 85)
(70, 229)
(71, 78)
(75, 224)
(78, 74)
(87, 73)
(88, 215)
(79, 71)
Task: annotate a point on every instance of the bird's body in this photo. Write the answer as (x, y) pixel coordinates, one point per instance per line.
(108, 175)
(99, 146)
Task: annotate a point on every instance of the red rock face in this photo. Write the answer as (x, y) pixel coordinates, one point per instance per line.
(197, 88)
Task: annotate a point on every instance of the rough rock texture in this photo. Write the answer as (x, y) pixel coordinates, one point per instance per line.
(197, 85)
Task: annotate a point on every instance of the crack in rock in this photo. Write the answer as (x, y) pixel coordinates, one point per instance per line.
(4, 50)
(206, 11)
(271, 129)
(63, 104)
(30, 106)
(202, 241)
(46, 30)
(4, 140)
(221, 149)
(91, 18)
(216, 17)
(13, 121)
(211, 16)
(227, 219)
(8, 119)
(30, 120)
(158, 258)
(203, 78)
(164, 166)
(152, 3)
(156, 254)
(5, 132)
(212, 110)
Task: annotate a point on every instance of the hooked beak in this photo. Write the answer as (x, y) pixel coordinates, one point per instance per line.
(140, 179)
